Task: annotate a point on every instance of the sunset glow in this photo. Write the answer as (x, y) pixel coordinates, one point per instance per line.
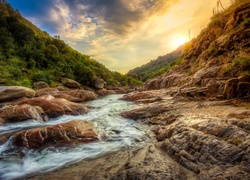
(178, 42)
(118, 31)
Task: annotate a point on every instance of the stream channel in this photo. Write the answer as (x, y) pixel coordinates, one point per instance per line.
(114, 132)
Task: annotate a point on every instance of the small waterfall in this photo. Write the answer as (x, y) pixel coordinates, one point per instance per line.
(114, 131)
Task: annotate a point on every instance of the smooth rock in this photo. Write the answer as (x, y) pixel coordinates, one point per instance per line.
(55, 107)
(8, 93)
(104, 92)
(23, 112)
(76, 95)
(73, 132)
(70, 83)
(98, 83)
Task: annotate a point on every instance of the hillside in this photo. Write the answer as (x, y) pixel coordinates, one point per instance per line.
(28, 54)
(218, 59)
(158, 66)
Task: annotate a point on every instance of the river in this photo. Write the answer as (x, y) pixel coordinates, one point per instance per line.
(114, 132)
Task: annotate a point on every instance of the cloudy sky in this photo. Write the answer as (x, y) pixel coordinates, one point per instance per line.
(121, 34)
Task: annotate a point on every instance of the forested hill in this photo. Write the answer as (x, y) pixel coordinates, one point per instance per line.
(158, 66)
(28, 54)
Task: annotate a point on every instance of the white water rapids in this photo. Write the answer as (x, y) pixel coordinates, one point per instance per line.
(118, 132)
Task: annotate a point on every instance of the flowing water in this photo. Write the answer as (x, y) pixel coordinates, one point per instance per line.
(114, 131)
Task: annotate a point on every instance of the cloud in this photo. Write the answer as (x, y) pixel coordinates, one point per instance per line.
(119, 17)
(122, 34)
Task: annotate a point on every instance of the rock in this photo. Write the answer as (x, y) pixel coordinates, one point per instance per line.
(76, 95)
(193, 92)
(22, 113)
(9, 93)
(70, 95)
(2, 121)
(143, 97)
(76, 131)
(46, 91)
(243, 89)
(99, 83)
(70, 83)
(104, 92)
(55, 107)
(165, 81)
(207, 72)
(40, 85)
(230, 88)
(237, 88)
(146, 112)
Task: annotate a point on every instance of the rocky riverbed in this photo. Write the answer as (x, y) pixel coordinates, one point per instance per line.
(193, 139)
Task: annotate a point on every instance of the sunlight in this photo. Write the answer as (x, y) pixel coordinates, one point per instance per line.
(175, 43)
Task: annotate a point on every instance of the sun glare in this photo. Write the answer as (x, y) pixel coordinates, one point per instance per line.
(175, 43)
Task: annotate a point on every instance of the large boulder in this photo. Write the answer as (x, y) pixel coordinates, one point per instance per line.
(99, 83)
(40, 85)
(55, 107)
(46, 91)
(103, 92)
(21, 113)
(76, 131)
(75, 95)
(70, 83)
(8, 93)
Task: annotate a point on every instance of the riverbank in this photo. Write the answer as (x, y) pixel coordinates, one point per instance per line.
(194, 139)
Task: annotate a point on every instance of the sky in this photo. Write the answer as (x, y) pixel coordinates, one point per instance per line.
(121, 34)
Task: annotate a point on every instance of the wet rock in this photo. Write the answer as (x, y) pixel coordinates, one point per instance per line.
(76, 95)
(55, 107)
(9, 93)
(2, 121)
(98, 83)
(22, 113)
(70, 83)
(72, 132)
(104, 92)
(40, 85)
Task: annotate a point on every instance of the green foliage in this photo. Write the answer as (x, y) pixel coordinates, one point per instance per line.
(157, 67)
(28, 54)
(239, 66)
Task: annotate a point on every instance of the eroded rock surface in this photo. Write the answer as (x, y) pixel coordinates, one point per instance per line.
(55, 107)
(21, 113)
(76, 131)
(9, 93)
(205, 137)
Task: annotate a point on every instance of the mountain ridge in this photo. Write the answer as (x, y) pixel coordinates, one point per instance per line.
(218, 59)
(28, 54)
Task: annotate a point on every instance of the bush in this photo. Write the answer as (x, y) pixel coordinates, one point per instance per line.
(42, 76)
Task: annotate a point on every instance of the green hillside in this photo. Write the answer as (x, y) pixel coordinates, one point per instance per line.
(158, 66)
(28, 54)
